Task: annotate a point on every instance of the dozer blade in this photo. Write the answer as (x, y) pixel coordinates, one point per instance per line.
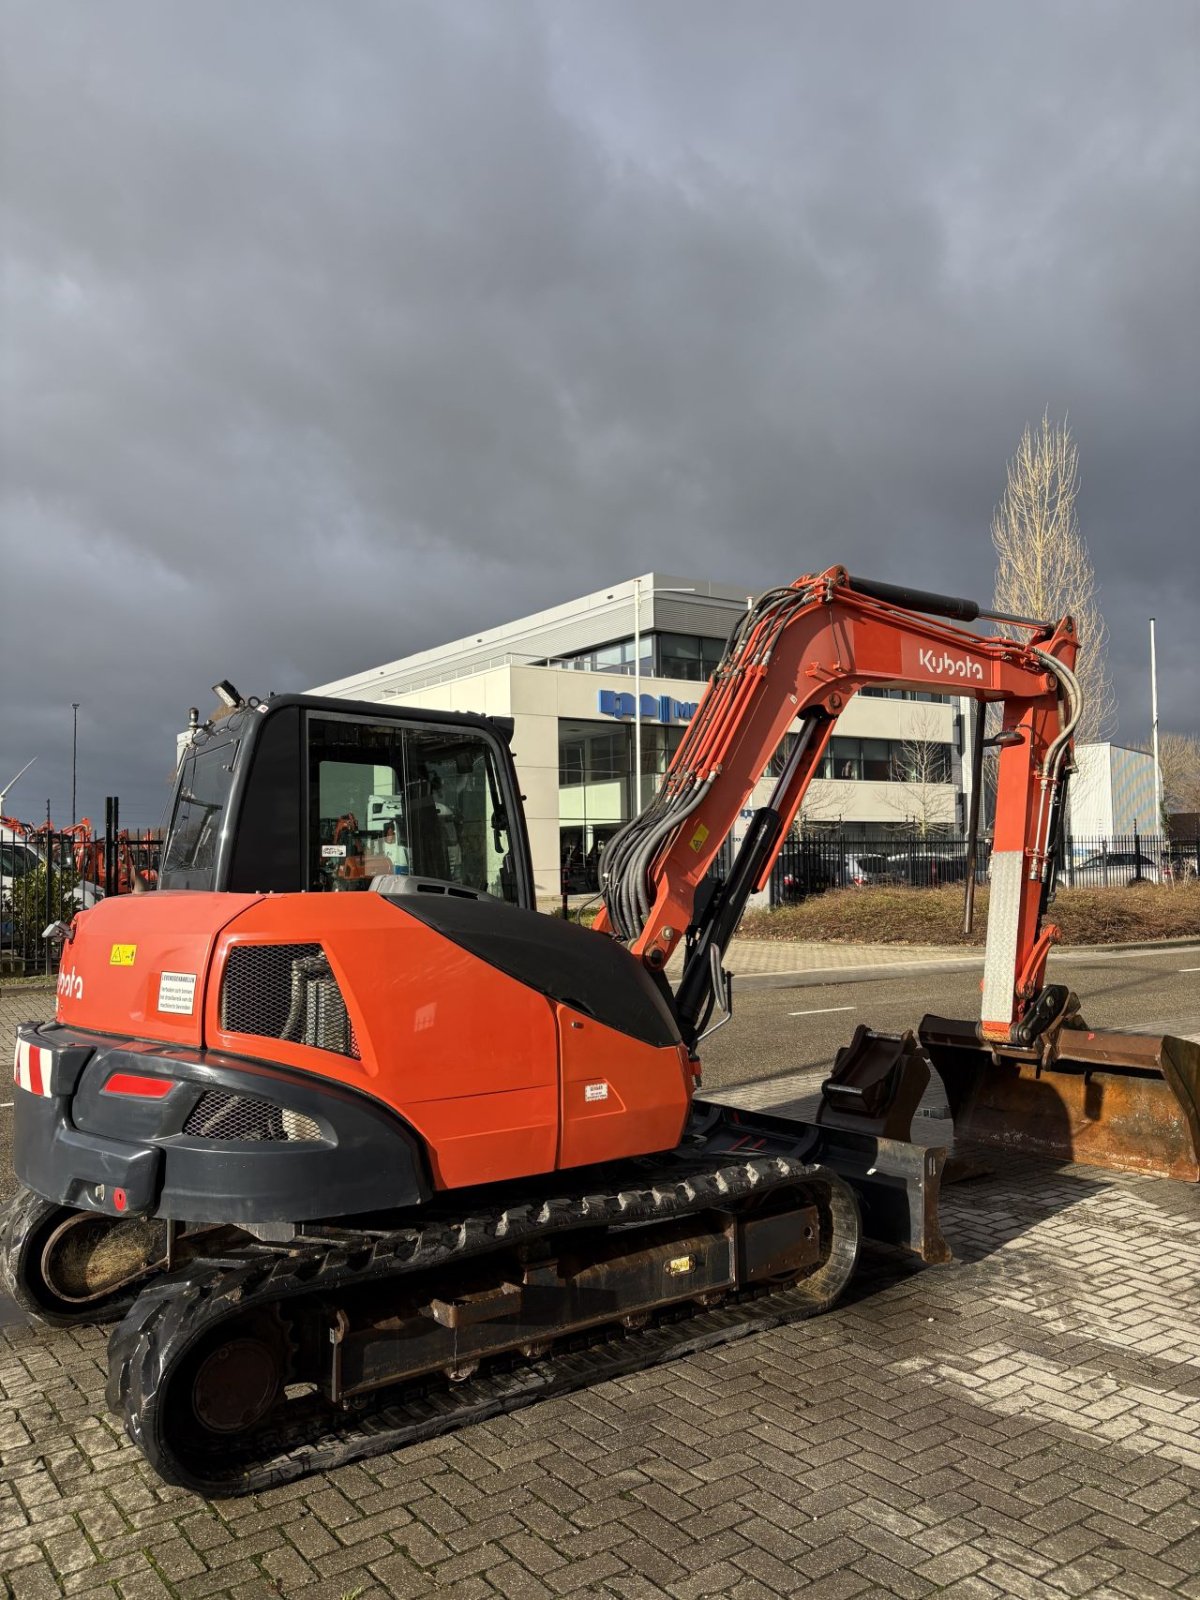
(1126, 1101)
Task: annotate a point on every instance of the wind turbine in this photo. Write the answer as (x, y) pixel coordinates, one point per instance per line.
(12, 781)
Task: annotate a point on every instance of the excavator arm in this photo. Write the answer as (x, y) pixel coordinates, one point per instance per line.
(799, 654)
(802, 653)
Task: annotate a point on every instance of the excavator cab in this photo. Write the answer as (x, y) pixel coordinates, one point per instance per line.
(302, 793)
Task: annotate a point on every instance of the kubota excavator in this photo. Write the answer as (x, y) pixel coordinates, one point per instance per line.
(364, 1148)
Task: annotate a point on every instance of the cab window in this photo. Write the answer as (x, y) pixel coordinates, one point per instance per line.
(387, 799)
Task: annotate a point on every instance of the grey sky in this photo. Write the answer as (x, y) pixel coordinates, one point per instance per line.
(331, 332)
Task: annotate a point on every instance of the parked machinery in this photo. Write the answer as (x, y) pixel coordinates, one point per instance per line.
(361, 1167)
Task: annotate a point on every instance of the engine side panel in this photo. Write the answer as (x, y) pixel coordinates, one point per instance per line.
(466, 1055)
(138, 964)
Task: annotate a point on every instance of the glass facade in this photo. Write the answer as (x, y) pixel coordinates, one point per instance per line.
(689, 657)
(877, 760)
(887, 761)
(615, 657)
(907, 694)
(596, 788)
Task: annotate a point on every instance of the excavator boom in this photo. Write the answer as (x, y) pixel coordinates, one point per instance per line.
(1023, 1076)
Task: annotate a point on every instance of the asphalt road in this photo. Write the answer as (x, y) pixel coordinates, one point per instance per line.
(779, 1030)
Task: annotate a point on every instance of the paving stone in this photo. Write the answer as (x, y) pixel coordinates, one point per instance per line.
(400, 1577)
(886, 1577)
(1024, 1423)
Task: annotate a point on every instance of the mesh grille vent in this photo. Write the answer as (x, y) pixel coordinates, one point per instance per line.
(218, 1115)
(286, 991)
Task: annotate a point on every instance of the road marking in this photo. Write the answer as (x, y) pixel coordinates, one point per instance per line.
(5, 1105)
(1189, 969)
(818, 1011)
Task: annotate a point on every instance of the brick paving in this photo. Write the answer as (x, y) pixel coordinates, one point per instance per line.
(1023, 1422)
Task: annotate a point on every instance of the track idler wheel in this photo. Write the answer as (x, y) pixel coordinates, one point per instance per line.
(211, 1409)
(236, 1383)
(63, 1265)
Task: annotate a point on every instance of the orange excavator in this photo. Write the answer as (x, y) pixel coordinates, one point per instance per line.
(357, 1168)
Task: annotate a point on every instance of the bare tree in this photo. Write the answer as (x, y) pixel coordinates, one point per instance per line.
(1179, 763)
(824, 805)
(1043, 568)
(920, 776)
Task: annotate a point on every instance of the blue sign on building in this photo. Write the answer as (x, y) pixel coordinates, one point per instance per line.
(655, 707)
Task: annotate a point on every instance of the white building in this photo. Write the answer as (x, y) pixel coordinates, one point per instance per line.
(1112, 792)
(564, 676)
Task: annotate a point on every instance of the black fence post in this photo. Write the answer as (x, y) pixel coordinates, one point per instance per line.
(49, 916)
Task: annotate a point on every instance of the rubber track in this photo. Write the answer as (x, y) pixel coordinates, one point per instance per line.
(172, 1314)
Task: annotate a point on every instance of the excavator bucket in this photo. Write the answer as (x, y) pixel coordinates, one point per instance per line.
(1126, 1101)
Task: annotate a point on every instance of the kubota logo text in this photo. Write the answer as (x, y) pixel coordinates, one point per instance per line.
(950, 666)
(69, 985)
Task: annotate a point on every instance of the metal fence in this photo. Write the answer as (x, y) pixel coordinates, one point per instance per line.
(48, 875)
(824, 861)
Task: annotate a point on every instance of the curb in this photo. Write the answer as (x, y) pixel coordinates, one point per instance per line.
(1136, 944)
(824, 977)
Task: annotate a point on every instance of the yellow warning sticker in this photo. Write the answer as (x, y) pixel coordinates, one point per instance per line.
(698, 838)
(122, 955)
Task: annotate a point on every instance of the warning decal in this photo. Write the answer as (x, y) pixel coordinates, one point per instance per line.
(177, 992)
(122, 955)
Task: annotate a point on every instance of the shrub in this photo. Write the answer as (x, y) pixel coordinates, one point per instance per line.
(887, 915)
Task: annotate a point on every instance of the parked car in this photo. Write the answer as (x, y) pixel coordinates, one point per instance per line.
(1128, 867)
(20, 856)
(926, 869)
(1180, 862)
(16, 859)
(812, 866)
(863, 870)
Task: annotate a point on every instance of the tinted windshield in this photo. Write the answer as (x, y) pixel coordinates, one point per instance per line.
(201, 797)
(385, 798)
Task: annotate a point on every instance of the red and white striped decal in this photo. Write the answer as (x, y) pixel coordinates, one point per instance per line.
(31, 1068)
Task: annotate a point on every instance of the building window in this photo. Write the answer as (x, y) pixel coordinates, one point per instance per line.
(876, 760)
(585, 756)
(659, 744)
(687, 656)
(887, 761)
(616, 657)
(664, 655)
(875, 692)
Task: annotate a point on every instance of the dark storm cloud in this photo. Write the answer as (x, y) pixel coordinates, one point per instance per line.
(330, 333)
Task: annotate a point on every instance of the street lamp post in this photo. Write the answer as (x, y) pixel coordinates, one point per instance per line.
(637, 695)
(74, 750)
(1158, 799)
